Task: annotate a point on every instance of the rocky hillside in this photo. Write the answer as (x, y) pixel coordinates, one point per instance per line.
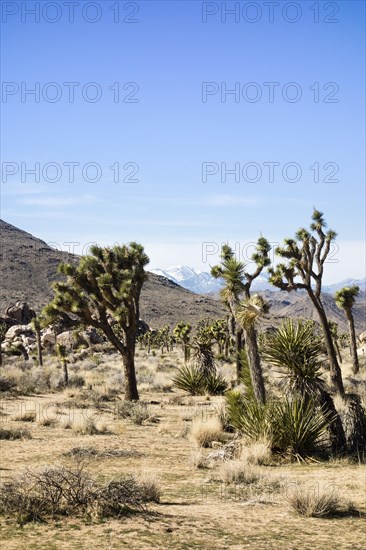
(28, 266)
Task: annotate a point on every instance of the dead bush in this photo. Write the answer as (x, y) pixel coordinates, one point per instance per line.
(36, 495)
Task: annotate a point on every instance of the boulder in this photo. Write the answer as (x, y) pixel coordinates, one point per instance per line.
(17, 330)
(72, 340)
(21, 312)
(48, 338)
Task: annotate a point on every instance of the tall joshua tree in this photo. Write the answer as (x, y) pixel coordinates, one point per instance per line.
(231, 271)
(306, 255)
(236, 295)
(345, 299)
(103, 291)
(182, 332)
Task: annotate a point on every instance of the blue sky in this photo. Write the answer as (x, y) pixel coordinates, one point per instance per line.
(169, 132)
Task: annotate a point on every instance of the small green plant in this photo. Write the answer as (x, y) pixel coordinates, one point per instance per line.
(192, 380)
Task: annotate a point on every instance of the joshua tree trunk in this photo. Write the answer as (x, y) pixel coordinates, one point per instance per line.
(131, 393)
(39, 348)
(239, 344)
(336, 432)
(66, 373)
(352, 334)
(337, 350)
(255, 366)
(335, 371)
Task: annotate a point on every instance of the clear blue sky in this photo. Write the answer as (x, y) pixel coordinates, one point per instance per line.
(170, 131)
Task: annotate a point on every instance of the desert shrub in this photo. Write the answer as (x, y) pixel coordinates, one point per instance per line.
(25, 417)
(57, 491)
(89, 427)
(257, 453)
(137, 412)
(314, 501)
(205, 431)
(76, 381)
(198, 460)
(6, 384)
(15, 433)
(48, 422)
(235, 471)
(194, 381)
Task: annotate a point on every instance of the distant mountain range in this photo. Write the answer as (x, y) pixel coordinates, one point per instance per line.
(28, 266)
(202, 282)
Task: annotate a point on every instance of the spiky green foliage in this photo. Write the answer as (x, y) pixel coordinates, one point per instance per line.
(194, 381)
(294, 351)
(215, 384)
(294, 426)
(250, 417)
(345, 297)
(189, 379)
(299, 427)
(103, 291)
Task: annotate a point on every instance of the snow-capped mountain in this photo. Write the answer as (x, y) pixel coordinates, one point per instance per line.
(202, 282)
(331, 289)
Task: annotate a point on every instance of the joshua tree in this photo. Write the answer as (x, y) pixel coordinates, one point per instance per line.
(182, 333)
(334, 330)
(62, 355)
(238, 283)
(231, 271)
(37, 325)
(345, 299)
(249, 311)
(306, 255)
(103, 291)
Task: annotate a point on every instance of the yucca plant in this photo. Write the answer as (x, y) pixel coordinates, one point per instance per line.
(248, 416)
(192, 380)
(298, 427)
(294, 351)
(189, 379)
(215, 384)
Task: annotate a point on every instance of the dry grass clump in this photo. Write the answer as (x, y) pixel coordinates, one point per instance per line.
(25, 417)
(258, 453)
(15, 433)
(48, 422)
(315, 501)
(89, 427)
(136, 412)
(198, 460)
(58, 491)
(236, 471)
(205, 431)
